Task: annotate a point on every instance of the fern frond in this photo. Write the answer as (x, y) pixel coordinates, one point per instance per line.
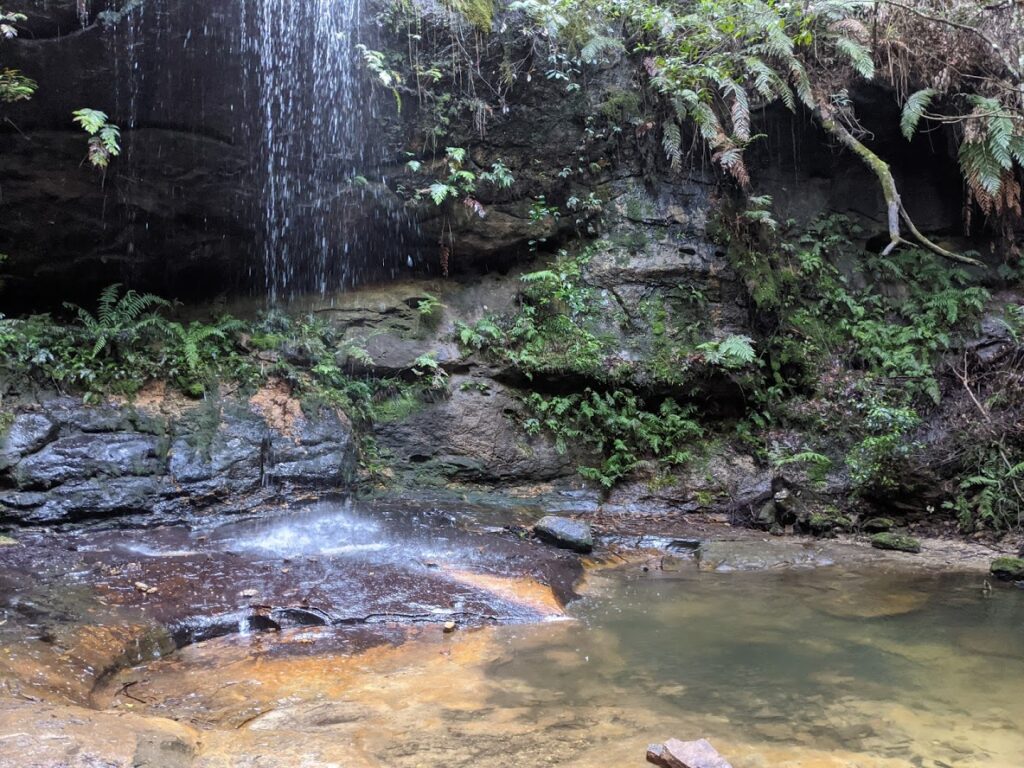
(671, 143)
(859, 56)
(598, 46)
(914, 110)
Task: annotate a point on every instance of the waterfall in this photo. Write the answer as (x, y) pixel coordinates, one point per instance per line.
(315, 119)
(269, 102)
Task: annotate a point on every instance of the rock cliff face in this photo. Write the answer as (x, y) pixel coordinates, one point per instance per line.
(178, 214)
(63, 461)
(180, 211)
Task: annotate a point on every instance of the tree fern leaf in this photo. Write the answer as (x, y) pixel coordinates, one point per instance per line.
(859, 56)
(671, 142)
(914, 110)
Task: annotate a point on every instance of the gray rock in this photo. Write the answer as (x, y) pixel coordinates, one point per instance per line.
(221, 455)
(565, 532)
(472, 435)
(28, 433)
(79, 456)
(686, 754)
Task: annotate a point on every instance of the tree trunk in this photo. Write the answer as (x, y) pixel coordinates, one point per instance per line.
(894, 206)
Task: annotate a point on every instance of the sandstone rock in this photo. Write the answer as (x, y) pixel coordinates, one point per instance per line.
(686, 754)
(565, 532)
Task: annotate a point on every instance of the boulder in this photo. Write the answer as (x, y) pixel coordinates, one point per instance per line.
(686, 754)
(896, 541)
(1008, 568)
(564, 532)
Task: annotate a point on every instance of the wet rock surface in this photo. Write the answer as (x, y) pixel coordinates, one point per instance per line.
(78, 605)
(564, 532)
(65, 461)
(686, 754)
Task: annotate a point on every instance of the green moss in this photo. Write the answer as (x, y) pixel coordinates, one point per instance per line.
(895, 541)
(267, 341)
(878, 525)
(639, 207)
(1008, 568)
(479, 13)
(398, 407)
(620, 106)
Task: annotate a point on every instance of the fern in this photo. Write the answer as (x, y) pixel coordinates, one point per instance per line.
(671, 142)
(119, 320)
(859, 56)
(598, 47)
(730, 353)
(914, 110)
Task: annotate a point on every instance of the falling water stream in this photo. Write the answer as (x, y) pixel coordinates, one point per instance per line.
(282, 87)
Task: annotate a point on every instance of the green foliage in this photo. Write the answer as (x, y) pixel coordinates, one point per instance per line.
(383, 75)
(482, 333)
(731, 353)
(104, 137)
(14, 86)
(429, 371)
(818, 464)
(622, 428)
(891, 316)
(430, 310)
(993, 496)
(878, 461)
(914, 109)
(479, 13)
(459, 182)
(121, 321)
(195, 349)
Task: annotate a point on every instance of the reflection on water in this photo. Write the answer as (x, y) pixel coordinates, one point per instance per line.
(783, 669)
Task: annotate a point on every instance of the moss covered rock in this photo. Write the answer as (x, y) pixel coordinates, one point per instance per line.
(895, 541)
(878, 525)
(1008, 568)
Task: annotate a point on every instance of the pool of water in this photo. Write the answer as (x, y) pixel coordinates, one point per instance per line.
(808, 668)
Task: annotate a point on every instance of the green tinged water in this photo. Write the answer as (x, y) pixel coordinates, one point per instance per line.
(794, 668)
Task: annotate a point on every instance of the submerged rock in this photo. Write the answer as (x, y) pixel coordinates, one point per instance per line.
(686, 754)
(896, 541)
(1008, 568)
(565, 532)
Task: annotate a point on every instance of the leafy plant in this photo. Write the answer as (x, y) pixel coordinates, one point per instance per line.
(197, 346)
(620, 427)
(731, 352)
(104, 136)
(14, 86)
(121, 320)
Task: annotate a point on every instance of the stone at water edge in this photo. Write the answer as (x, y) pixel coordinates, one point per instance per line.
(878, 525)
(896, 541)
(565, 532)
(1008, 568)
(686, 754)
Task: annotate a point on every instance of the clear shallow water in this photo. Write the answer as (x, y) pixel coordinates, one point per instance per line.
(808, 668)
(921, 670)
